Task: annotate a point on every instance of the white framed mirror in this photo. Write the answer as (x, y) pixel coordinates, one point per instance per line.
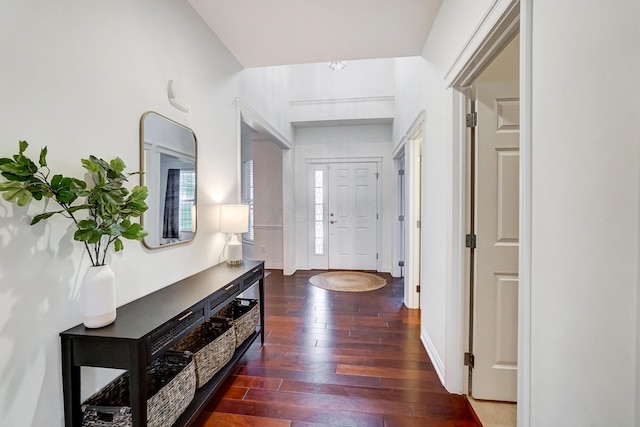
(168, 158)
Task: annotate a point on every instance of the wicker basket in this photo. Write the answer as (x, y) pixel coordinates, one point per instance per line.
(171, 385)
(245, 314)
(212, 344)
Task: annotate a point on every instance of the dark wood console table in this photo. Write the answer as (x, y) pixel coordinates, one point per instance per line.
(147, 327)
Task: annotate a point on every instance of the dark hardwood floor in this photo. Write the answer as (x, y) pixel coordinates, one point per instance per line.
(336, 359)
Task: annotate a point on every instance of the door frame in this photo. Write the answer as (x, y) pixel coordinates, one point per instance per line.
(501, 21)
(411, 144)
(310, 216)
(399, 198)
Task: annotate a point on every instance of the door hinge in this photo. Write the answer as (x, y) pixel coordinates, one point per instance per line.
(400, 263)
(376, 256)
(418, 288)
(472, 120)
(377, 175)
(470, 241)
(401, 172)
(418, 224)
(469, 360)
(401, 218)
(377, 217)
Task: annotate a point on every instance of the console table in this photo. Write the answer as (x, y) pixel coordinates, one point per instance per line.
(147, 327)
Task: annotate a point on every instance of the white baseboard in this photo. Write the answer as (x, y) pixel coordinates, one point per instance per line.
(433, 355)
(274, 265)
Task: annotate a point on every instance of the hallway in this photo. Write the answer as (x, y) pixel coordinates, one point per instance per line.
(336, 359)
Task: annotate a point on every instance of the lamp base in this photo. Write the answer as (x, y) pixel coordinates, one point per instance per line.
(234, 251)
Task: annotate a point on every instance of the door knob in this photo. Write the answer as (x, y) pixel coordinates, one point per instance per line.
(332, 222)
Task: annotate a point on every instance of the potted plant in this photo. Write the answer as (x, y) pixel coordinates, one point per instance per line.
(101, 211)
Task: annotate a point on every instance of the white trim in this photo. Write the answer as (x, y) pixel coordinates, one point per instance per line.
(417, 122)
(317, 160)
(268, 227)
(261, 125)
(413, 213)
(399, 148)
(343, 100)
(438, 366)
(495, 30)
(526, 215)
(317, 261)
(457, 317)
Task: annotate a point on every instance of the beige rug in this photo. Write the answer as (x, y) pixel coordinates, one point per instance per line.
(347, 281)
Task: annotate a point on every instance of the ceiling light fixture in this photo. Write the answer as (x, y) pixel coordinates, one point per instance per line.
(337, 65)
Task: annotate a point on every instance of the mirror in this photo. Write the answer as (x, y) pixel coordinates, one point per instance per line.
(168, 160)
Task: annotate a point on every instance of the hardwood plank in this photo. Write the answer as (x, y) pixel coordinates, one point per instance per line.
(398, 421)
(381, 372)
(217, 419)
(280, 410)
(254, 382)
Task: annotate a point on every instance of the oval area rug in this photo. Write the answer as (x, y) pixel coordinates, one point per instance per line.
(347, 281)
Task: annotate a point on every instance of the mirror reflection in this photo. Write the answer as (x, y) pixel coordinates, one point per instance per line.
(168, 160)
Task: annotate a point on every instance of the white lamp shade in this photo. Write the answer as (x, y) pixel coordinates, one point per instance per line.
(234, 218)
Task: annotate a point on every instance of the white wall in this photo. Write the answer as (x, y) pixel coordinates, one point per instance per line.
(77, 76)
(359, 79)
(342, 142)
(586, 102)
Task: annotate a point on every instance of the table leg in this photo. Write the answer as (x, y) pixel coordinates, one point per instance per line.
(138, 386)
(70, 386)
(261, 289)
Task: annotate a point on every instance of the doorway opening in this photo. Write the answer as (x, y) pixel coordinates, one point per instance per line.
(265, 158)
(493, 159)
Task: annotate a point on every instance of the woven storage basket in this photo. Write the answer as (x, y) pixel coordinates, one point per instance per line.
(212, 344)
(171, 385)
(245, 314)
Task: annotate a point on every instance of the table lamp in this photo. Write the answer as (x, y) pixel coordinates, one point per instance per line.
(234, 219)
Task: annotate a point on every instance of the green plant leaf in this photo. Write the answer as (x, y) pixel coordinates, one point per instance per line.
(36, 219)
(43, 157)
(15, 168)
(134, 232)
(90, 166)
(18, 195)
(23, 146)
(56, 181)
(9, 185)
(88, 231)
(77, 208)
(118, 245)
(27, 163)
(117, 165)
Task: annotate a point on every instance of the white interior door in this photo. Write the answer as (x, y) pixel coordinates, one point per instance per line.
(352, 208)
(495, 320)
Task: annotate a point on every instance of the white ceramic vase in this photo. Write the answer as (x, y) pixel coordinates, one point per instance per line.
(98, 296)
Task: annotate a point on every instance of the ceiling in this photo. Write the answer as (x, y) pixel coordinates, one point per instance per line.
(282, 32)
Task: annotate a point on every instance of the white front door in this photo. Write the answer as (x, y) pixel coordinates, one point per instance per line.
(495, 320)
(353, 216)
